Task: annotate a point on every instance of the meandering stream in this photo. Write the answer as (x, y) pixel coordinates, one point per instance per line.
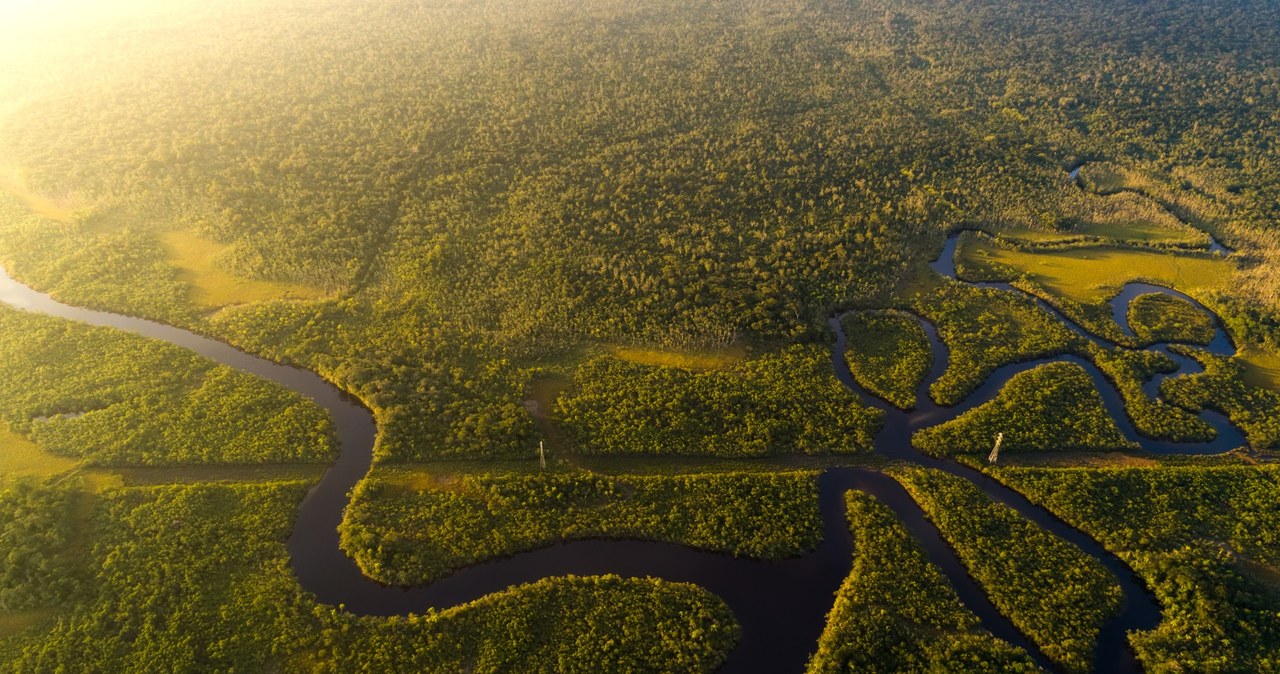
(781, 605)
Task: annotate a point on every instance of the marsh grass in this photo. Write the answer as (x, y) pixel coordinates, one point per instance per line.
(1093, 275)
(195, 258)
(19, 457)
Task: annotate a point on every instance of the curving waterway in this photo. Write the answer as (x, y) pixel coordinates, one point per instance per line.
(780, 604)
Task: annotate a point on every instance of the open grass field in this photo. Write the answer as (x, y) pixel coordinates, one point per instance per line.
(211, 287)
(12, 182)
(19, 457)
(1261, 368)
(1095, 274)
(1142, 230)
(698, 361)
(1106, 177)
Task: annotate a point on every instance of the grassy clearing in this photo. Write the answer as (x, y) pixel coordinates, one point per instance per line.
(1140, 229)
(1104, 177)
(11, 181)
(1080, 459)
(19, 457)
(211, 287)
(17, 621)
(197, 474)
(697, 361)
(1261, 368)
(1093, 275)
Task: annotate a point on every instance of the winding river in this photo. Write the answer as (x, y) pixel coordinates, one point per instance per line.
(780, 604)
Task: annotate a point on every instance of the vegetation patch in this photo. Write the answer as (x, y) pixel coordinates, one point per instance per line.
(196, 259)
(115, 398)
(896, 613)
(1054, 593)
(36, 569)
(698, 361)
(1156, 317)
(120, 269)
(1222, 386)
(783, 402)
(210, 560)
(1130, 218)
(985, 328)
(1261, 368)
(37, 204)
(1198, 536)
(1093, 275)
(1054, 407)
(19, 457)
(888, 354)
(1154, 418)
(407, 536)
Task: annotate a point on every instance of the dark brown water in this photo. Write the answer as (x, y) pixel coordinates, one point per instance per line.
(781, 605)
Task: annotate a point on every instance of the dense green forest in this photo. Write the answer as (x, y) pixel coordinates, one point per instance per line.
(113, 399)
(1222, 386)
(472, 193)
(440, 205)
(1057, 595)
(1153, 418)
(36, 526)
(1203, 537)
(1053, 407)
(216, 594)
(409, 536)
(1162, 318)
(984, 328)
(888, 354)
(785, 402)
(896, 613)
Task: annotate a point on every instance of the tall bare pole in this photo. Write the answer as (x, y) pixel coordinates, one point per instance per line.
(542, 456)
(995, 451)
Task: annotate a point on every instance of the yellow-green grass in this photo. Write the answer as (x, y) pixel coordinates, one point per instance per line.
(1139, 229)
(19, 457)
(1261, 368)
(689, 360)
(1092, 275)
(1102, 177)
(133, 476)
(12, 623)
(11, 181)
(1136, 229)
(211, 287)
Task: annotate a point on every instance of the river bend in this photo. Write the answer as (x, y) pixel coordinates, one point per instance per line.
(780, 604)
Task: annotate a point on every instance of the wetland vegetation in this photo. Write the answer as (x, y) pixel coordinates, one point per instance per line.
(658, 206)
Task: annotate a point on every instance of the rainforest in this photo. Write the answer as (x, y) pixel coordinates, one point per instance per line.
(640, 336)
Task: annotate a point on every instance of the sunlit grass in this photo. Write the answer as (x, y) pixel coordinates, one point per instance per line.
(11, 182)
(1141, 230)
(689, 360)
(1093, 275)
(1261, 368)
(211, 287)
(1106, 178)
(1135, 230)
(19, 457)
